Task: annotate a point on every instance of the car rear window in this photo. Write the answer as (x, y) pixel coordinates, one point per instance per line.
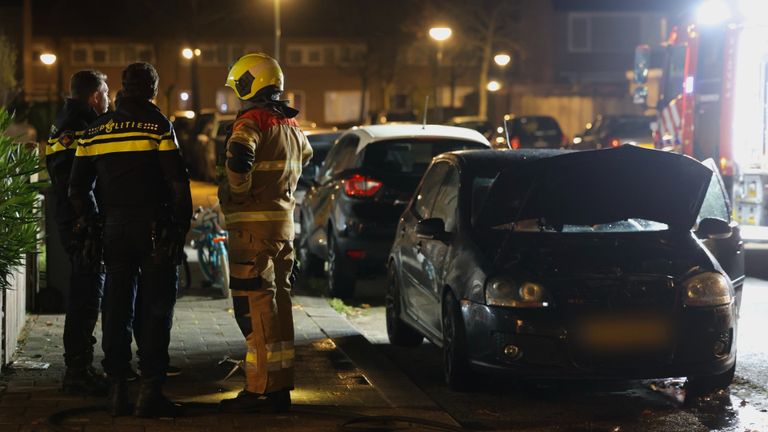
(321, 144)
(537, 127)
(410, 157)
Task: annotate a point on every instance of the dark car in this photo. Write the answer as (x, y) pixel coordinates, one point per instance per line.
(614, 130)
(532, 131)
(615, 263)
(321, 141)
(348, 218)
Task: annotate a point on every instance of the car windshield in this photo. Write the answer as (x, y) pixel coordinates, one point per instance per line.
(536, 127)
(631, 126)
(410, 157)
(481, 185)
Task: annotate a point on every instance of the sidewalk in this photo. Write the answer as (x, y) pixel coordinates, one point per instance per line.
(338, 377)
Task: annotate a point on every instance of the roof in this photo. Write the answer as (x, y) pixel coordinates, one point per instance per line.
(395, 131)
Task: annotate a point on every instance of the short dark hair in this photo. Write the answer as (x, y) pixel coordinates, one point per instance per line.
(85, 83)
(140, 80)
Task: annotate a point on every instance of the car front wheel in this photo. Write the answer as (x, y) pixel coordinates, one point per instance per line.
(399, 332)
(455, 359)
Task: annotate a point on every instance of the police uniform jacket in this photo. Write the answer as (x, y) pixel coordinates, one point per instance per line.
(135, 156)
(69, 126)
(265, 154)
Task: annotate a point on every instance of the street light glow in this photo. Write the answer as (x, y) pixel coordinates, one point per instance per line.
(197, 52)
(440, 34)
(48, 58)
(493, 86)
(184, 96)
(187, 53)
(502, 59)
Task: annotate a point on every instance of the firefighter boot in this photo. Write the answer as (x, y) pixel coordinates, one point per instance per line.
(151, 401)
(117, 399)
(84, 381)
(248, 402)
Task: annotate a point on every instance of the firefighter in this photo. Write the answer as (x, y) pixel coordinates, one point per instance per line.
(133, 156)
(88, 98)
(264, 157)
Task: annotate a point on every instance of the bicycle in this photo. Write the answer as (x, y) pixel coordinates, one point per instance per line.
(211, 246)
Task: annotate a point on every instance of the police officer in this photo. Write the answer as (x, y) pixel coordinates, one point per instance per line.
(146, 206)
(88, 99)
(265, 154)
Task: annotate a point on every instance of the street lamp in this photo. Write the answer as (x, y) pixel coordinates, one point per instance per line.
(48, 59)
(192, 54)
(493, 86)
(502, 59)
(439, 34)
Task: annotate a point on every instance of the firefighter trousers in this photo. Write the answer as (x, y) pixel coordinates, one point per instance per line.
(261, 297)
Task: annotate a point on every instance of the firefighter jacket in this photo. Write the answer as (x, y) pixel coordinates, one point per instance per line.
(265, 155)
(135, 156)
(68, 127)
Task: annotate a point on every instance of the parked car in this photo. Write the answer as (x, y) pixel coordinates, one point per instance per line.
(349, 215)
(321, 141)
(480, 124)
(614, 130)
(201, 139)
(617, 263)
(532, 131)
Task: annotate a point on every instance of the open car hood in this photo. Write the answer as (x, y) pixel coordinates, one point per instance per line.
(600, 186)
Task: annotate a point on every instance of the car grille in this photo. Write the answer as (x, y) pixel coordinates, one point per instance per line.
(619, 294)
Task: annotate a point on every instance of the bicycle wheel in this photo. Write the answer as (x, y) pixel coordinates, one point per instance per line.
(222, 272)
(205, 260)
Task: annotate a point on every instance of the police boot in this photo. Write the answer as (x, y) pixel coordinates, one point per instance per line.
(248, 402)
(84, 381)
(117, 399)
(151, 401)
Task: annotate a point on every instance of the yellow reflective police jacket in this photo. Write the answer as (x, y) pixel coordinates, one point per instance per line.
(134, 154)
(265, 155)
(69, 126)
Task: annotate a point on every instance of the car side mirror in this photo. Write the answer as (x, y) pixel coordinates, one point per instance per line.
(431, 229)
(714, 228)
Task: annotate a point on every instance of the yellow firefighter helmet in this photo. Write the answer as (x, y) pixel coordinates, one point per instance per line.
(253, 72)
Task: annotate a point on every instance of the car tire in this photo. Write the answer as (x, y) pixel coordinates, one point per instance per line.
(341, 272)
(400, 333)
(455, 359)
(703, 385)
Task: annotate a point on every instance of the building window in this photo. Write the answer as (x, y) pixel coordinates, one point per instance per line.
(344, 106)
(325, 54)
(99, 55)
(607, 32)
(79, 55)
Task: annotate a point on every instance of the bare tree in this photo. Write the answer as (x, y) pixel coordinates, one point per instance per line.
(8, 83)
(483, 26)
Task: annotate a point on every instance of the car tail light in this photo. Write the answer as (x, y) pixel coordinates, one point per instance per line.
(515, 143)
(356, 254)
(615, 142)
(219, 239)
(564, 141)
(361, 186)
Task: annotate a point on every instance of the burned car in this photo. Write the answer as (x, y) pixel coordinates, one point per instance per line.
(617, 263)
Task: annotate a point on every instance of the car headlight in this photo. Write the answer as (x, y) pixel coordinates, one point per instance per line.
(707, 289)
(505, 292)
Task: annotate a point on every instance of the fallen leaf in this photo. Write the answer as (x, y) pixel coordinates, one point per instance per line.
(365, 306)
(743, 403)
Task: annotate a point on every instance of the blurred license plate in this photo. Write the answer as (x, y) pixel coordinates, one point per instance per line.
(625, 333)
(540, 144)
(647, 145)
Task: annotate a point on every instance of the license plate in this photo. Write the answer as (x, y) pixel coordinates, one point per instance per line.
(540, 144)
(625, 333)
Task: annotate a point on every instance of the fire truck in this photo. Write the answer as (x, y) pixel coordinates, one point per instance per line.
(713, 99)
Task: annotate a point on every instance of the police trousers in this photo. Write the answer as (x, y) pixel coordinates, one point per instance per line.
(261, 296)
(139, 297)
(86, 286)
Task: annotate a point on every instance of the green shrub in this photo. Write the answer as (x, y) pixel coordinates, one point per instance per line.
(19, 207)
